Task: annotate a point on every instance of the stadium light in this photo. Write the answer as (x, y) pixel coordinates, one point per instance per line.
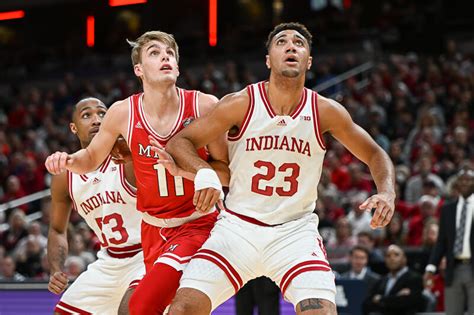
(212, 23)
(10, 15)
(116, 3)
(90, 31)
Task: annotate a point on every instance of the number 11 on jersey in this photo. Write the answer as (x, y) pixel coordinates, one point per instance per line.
(163, 183)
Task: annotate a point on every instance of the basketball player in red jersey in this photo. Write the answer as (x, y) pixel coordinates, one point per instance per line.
(174, 224)
(276, 153)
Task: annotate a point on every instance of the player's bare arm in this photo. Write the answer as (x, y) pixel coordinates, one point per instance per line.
(225, 115)
(57, 235)
(336, 120)
(88, 159)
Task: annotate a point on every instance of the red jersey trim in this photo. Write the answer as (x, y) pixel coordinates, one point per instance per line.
(311, 265)
(269, 108)
(71, 195)
(84, 177)
(249, 219)
(223, 264)
(128, 187)
(105, 164)
(131, 119)
(247, 116)
(315, 111)
(64, 308)
(124, 252)
(176, 124)
(134, 284)
(197, 113)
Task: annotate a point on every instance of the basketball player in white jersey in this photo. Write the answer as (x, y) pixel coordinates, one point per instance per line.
(276, 152)
(107, 202)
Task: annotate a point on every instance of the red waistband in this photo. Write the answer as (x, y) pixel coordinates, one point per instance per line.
(124, 252)
(249, 219)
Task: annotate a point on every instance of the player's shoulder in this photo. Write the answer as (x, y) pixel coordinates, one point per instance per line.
(206, 102)
(241, 97)
(119, 108)
(328, 106)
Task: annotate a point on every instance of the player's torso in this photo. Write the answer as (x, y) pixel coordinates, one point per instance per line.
(276, 161)
(159, 193)
(107, 203)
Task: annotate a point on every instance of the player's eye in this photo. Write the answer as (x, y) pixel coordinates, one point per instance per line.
(299, 43)
(280, 42)
(101, 114)
(154, 53)
(85, 116)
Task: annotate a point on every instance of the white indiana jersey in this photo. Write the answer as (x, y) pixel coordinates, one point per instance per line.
(275, 161)
(108, 204)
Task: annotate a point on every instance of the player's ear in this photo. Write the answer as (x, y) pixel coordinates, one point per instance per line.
(267, 61)
(73, 128)
(310, 62)
(138, 70)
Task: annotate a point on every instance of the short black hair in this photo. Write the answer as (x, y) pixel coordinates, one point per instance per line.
(84, 100)
(300, 28)
(361, 248)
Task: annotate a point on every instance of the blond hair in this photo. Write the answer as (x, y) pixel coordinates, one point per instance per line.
(147, 37)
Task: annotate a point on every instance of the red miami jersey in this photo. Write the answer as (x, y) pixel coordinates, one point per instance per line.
(159, 193)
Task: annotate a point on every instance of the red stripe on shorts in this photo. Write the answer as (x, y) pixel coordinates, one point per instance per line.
(230, 272)
(69, 309)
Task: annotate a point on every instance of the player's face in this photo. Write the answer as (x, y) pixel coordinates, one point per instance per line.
(87, 119)
(158, 63)
(289, 54)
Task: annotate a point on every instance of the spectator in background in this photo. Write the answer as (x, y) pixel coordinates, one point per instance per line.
(16, 230)
(427, 213)
(338, 248)
(456, 242)
(359, 258)
(399, 292)
(376, 257)
(8, 272)
(73, 267)
(414, 186)
(13, 190)
(359, 219)
(395, 232)
(29, 259)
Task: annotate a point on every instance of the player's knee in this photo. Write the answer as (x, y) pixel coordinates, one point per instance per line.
(190, 301)
(145, 304)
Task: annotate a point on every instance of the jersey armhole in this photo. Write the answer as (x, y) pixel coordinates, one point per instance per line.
(131, 120)
(317, 130)
(247, 116)
(129, 188)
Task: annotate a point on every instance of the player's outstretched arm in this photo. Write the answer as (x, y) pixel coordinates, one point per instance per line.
(88, 159)
(336, 120)
(217, 148)
(57, 235)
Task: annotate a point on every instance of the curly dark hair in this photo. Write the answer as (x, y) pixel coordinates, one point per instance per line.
(300, 28)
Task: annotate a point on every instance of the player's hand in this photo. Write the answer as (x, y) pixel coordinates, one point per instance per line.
(120, 152)
(205, 199)
(56, 163)
(165, 158)
(58, 282)
(384, 205)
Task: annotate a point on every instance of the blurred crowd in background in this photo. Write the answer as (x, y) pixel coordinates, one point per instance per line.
(417, 107)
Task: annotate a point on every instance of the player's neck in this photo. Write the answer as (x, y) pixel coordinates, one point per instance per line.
(284, 93)
(159, 102)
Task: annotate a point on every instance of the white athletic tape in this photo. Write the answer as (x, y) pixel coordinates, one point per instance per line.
(207, 178)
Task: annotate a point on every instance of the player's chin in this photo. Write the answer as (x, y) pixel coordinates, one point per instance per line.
(290, 72)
